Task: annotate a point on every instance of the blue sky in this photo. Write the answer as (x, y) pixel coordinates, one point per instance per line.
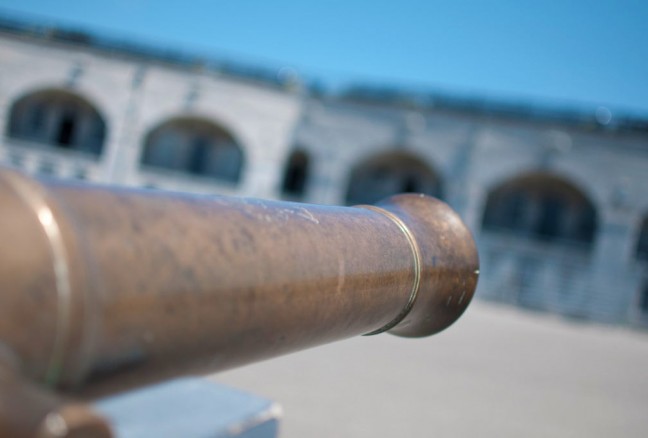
(574, 53)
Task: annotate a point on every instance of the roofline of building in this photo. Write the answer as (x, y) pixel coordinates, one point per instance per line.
(132, 50)
(599, 118)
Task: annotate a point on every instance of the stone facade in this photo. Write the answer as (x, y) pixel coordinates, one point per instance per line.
(557, 201)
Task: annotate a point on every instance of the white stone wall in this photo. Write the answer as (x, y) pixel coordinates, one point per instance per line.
(134, 97)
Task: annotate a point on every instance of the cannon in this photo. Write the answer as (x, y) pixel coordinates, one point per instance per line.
(106, 289)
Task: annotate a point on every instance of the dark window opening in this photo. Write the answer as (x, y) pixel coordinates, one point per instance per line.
(642, 243)
(199, 156)
(410, 185)
(380, 172)
(296, 175)
(541, 207)
(550, 222)
(507, 212)
(37, 121)
(65, 134)
(643, 299)
(514, 211)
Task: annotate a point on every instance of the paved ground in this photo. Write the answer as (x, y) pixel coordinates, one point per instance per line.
(499, 372)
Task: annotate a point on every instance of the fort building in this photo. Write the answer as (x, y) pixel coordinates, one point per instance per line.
(557, 198)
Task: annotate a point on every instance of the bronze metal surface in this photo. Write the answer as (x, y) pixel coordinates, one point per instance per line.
(103, 284)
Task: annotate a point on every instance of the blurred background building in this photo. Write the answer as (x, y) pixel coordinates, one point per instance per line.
(556, 198)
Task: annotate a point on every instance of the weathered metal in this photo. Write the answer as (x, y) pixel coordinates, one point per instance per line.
(105, 287)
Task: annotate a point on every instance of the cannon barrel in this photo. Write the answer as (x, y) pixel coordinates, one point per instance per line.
(100, 286)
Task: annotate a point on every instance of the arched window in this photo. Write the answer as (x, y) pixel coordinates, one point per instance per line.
(57, 118)
(541, 206)
(642, 243)
(195, 146)
(296, 174)
(643, 298)
(388, 174)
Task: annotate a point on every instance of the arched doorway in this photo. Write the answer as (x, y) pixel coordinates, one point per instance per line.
(390, 173)
(57, 118)
(194, 146)
(542, 207)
